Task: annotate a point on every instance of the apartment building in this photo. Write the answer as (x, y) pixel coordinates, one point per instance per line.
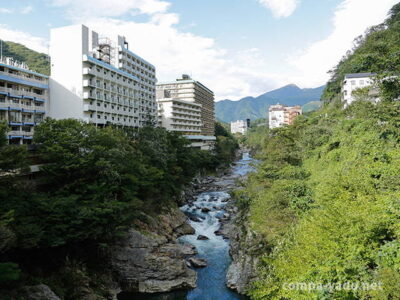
(281, 115)
(240, 126)
(24, 99)
(99, 80)
(185, 118)
(353, 82)
(199, 128)
(190, 90)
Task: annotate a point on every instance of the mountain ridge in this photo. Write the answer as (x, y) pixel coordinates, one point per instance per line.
(256, 107)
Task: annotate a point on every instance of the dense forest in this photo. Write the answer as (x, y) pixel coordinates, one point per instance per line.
(93, 184)
(325, 197)
(38, 62)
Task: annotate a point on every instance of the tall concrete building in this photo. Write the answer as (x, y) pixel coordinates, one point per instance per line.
(187, 106)
(24, 99)
(99, 80)
(190, 90)
(280, 115)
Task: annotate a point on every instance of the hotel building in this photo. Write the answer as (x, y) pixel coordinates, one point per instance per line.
(187, 106)
(24, 99)
(99, 80)
(280, 115)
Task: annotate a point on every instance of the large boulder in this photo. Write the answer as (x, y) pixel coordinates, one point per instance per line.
(152, 261)
(196, 262)
(37, 292)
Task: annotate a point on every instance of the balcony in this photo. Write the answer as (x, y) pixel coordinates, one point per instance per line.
(89, 83)
(88, 95)
(89, 71)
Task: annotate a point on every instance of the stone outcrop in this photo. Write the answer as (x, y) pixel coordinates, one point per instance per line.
(152, 261)
(245, 247)
(197, 262)
(37, 292)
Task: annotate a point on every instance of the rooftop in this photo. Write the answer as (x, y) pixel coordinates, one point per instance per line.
(359, 75)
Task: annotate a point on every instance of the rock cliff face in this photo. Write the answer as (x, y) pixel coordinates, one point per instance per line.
(152, 261)
(245, 247)
(36, 292)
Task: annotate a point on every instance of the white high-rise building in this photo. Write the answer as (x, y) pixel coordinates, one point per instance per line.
(355, 81)
(24, 99)
(240, 126)
(99, 80)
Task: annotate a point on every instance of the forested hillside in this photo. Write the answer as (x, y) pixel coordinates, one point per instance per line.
(38, 62)
(325, 198)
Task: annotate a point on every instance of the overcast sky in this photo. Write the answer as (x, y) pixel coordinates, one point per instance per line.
(237, 48)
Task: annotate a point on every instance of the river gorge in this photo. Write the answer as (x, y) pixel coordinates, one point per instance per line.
(211, 214)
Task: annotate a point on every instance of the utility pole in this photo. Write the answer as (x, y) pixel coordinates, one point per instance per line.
(1, 50)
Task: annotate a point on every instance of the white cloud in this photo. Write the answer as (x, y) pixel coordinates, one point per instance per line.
(27, 10)
(280, 8)
(35, 43)
(351, 19)
(79, 9)
(5, 10)
(172, 51)
(229, 75)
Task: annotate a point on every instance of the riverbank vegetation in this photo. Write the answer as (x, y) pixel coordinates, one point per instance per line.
(93, 184)
(325, 197)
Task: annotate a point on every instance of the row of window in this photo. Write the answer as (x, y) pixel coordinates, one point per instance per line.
(22, 74)
(19, 89)
(20, 117)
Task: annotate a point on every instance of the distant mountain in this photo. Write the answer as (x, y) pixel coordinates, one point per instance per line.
(255, 108)
(36, 61)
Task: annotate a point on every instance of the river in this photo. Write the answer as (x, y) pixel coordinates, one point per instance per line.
(211, 279)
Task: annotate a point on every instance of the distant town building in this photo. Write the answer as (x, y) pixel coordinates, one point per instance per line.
(187, 106)
(355, 81)
(280, 115)
(240, 126)
(99, 80)
(24, 99)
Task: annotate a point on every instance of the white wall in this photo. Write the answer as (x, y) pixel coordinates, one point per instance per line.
(353, 84)
(67, 46)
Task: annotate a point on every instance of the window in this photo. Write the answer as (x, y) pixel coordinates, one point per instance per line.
(361, 82)
(3, 115)
(353, 82)
(14, 116)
